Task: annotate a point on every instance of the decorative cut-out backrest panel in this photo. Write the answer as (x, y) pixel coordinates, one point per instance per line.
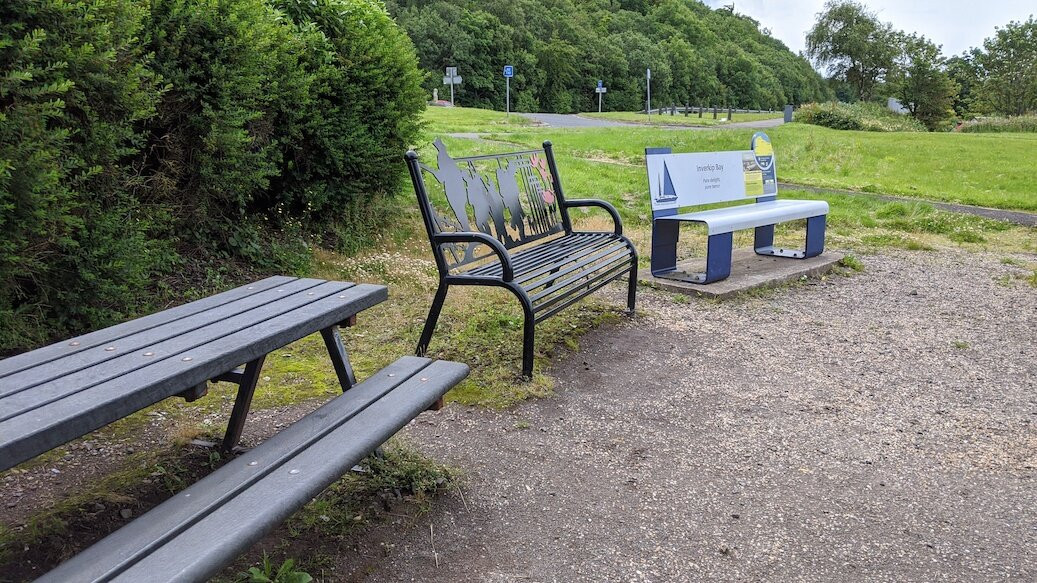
(509, 197)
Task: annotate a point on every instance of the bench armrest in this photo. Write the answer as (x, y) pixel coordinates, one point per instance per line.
(581, 202)
(507, 271)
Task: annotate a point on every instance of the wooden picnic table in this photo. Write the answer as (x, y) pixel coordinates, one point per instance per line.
(63, 391)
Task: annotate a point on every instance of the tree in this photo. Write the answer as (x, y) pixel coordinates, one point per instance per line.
(1010, 62)
(922, 85)
(968, 74)
(854, 46)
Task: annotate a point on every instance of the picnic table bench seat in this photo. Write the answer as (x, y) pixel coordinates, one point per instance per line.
(509, 226)
(192, 535)
(63, 391)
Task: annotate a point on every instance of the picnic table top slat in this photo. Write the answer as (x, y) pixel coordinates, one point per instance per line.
(15, 400)
(41, 422)
(127, 349)
(57, 350)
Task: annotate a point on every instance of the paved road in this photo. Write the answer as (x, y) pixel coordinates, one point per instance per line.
(559, 120)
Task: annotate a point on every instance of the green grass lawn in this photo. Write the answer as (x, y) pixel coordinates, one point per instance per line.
(993, 170)
(680, 119)
(445, 120)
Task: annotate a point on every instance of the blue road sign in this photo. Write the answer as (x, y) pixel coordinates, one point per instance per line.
(509, 71)
(601, 83)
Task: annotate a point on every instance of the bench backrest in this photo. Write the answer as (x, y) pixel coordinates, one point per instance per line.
(698, 178)
(513, 197)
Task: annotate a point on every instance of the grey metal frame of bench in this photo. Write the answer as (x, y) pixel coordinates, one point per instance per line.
(721, 223)
(522, 217)
(63, 391)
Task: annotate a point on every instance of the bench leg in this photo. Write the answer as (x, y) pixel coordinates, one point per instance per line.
(815, 243)
(246, 388)
(339, 357)
(718, 258)
(632, 285)
(664, 247)
(430, 322)
(815, 236)
(527, 345)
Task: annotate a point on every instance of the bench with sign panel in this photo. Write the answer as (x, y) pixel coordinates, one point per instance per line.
(676, 181)
(57, 393)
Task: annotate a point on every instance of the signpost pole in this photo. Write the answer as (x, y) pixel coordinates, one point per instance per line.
(509, 72)
(648, 78)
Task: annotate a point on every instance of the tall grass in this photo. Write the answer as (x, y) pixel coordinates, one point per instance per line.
(992, 125)
(869, 117)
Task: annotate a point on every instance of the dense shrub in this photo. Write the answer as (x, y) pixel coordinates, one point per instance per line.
(863, 116)
(363, 110)
(1020, 124)
(74, 92)
(219, 137)
(236, 84)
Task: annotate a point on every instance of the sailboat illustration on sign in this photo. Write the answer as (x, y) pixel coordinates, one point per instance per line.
(667, 193)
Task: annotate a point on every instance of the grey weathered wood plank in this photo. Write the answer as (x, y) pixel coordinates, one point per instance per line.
(192, 535)
(48, 353)
(139, 342)
(15, 402)
(46, 426)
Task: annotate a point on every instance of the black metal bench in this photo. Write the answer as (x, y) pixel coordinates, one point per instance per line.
(60, 392)
(519, 213)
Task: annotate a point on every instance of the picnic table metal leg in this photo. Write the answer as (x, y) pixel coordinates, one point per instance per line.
(339, 357)
(246, 388)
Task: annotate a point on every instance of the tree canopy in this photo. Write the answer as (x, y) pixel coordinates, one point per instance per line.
(560, 48)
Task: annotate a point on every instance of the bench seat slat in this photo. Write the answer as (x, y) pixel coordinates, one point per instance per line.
(64, 417)
(192, 535)
(561, 290)
(747, 216)
(527, 258)
(586, 260)
(108, 335)
(126, 351)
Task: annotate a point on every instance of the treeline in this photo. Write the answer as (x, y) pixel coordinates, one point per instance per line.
(560, 48)
(164, 144)
(868, 59)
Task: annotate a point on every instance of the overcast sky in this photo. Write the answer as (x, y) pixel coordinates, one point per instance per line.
(956, 24)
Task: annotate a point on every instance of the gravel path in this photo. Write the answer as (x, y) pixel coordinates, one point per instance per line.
(879, 427)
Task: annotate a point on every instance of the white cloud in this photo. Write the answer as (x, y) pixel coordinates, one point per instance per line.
(956, 24)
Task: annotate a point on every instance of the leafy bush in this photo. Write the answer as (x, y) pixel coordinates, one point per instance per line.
(863, 116)
(214, 136)
(363, 110)
(1021, 124)
(236, 82)
(75, 91)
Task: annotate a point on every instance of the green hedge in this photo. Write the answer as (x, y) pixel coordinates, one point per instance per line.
(863, 116)
(75, 92)
(152, 147)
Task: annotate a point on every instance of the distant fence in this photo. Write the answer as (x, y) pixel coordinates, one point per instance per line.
(702, 110)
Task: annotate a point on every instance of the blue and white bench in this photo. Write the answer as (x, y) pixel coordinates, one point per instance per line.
(676, 181)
